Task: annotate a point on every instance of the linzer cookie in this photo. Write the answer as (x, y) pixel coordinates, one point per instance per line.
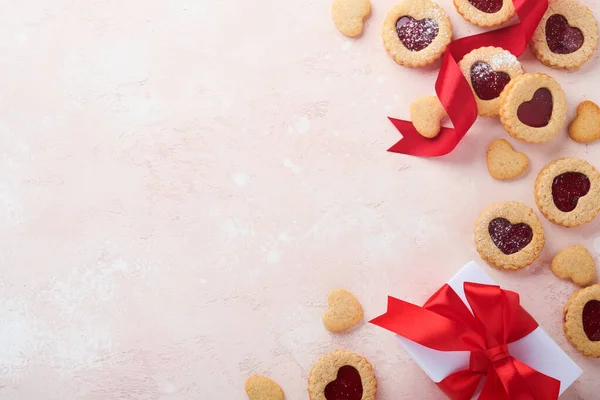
(567, 35)
(509, 235)
(488, 70)
(581, 321)
(416, 32)
(567, 192)
(342, 375)
(485, 12)
(533, 108)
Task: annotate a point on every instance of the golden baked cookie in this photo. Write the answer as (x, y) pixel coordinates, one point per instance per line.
(262, 388)
(344, 311)
(426, 114)
(567, 35)
(586, 127)
(348, 15)
(567, 192)
(533, 108)
(503, 162)
(416, 32)
(488, 70)
(509, 235)
(485, 12)
(575, 263)
(581, 321)
(342, 375)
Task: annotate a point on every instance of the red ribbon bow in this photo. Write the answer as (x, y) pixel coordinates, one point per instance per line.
(445, 323)
(453, 89)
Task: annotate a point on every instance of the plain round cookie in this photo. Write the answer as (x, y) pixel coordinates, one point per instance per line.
(419, 10)
(521, 90)
(578, 16)
(573, 321)
(515, 213)
(499, 60)
(326, 369)
(481, 18)
(588, 206)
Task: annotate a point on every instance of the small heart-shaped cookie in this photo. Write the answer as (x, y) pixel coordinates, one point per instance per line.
(575, 263)
(348, 15)
(426, 114)
(344, 311)
(586, 127)
(262, 388)
(503, 162)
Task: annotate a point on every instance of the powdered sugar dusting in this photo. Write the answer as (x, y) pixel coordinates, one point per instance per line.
(503, 61)
(416, 35)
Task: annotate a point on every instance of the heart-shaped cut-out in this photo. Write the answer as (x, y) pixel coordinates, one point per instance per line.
(487, 83)
(538, 111)
(347, 385)
(568, 188)
(575, 263)
(586, 127)
(509, 238)
(503, 162)
(348, 15)
(262, 388)
(488, 6)
(591, 320)
(344, 311)
(416, 35)
(561, 37)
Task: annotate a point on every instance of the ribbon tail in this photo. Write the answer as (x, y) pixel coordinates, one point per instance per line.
(412, 143)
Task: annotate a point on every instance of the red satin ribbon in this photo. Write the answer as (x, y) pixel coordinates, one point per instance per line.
(453, 89)
(445, 323)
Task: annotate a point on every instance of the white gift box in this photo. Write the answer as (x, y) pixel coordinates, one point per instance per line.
(537, 349)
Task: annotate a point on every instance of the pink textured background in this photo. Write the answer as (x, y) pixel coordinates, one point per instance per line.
(183, 182)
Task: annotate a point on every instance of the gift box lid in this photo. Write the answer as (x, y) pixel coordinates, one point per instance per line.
(537, 349)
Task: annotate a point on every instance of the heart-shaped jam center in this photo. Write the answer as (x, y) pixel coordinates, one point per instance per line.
(591, 320)
(487, 6)
(561, 37)
(509, 238)
(567, 188)
(537, 111)
(487, 83)
(416, 35)
(347, 385)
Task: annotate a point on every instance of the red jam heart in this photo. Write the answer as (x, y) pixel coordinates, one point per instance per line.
(562, 38)
(591, 320)
(487, 83)
(567, 188)
(416, 35)
(509, 238)
(347, 385)
(487, 6)
(538, 111)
